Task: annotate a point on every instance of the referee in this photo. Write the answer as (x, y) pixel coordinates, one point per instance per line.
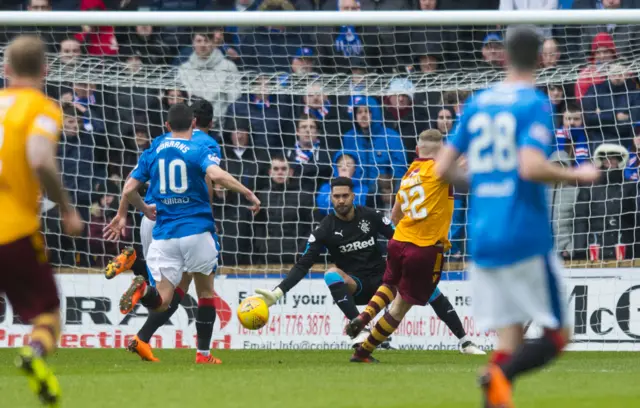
(350, 235)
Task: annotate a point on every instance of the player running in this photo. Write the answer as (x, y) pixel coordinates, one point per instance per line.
(183, 237)
(422, 213)
(506, 132)
(351, 237)
(203, 113)
(30, 128)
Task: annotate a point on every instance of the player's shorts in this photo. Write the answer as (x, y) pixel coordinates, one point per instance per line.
(146, 234)
(27, 279)
(530, 290)
(169, 258)
(414, 270)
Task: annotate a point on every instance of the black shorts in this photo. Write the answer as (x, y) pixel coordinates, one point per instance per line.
(366, 288)
(27, 279)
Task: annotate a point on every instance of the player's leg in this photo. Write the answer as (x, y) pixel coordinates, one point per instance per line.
(127, 257)
(384, 327)
(343, 288)
(201, 257)
(165, 264)
(539, 290)
(385, 293)
(140, 343)
(29, 284)
(447, 313)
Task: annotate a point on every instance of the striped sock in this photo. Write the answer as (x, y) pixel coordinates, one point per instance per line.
(45, 334)
(383, 297)
(382, 330)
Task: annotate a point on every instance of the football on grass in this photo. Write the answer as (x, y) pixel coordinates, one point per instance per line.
(253, 313)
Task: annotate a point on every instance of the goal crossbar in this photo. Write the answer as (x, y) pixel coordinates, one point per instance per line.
(319, 18)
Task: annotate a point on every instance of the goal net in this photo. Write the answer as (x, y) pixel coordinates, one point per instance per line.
(294, 106)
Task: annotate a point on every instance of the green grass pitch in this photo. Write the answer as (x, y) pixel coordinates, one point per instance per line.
(322, 379)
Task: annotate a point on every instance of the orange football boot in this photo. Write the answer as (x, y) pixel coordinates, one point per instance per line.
(142, 349)
(120, 263)
(132, 296)
(210, 359)
(496, 387)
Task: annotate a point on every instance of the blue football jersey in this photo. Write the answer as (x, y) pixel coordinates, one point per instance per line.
(199, 137)
(176, 170)
(508, 217)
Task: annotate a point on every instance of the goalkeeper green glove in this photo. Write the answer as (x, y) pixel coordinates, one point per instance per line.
(270, 296)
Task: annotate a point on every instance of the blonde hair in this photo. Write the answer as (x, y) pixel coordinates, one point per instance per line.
(430, 141)
(26, 57)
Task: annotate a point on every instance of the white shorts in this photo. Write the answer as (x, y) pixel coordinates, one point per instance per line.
(169, 258)
(530, 290)
(146, 234)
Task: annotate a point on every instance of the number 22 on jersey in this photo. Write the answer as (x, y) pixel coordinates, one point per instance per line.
(412, 202)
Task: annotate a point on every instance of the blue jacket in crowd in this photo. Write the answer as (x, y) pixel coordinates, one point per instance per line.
(611, 100)
(380, 149)
(360, 189)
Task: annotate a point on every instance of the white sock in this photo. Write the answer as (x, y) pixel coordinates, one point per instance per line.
(204, 352)
(464, 339)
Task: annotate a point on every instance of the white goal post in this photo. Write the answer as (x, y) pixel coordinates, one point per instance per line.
(131, 99)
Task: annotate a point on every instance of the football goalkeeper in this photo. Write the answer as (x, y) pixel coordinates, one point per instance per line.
(351, 237)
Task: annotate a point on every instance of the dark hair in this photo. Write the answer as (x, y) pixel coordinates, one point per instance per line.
(69, 110)
(342, 181)
(572, 107)
(203, 112)
(523, 47)
(180, 117)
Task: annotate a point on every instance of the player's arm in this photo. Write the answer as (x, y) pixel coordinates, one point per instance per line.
(41, 155)
(130, 191)
(448, 168)
(396, 213)
(297, 273)
(221, 177)
(386, 227)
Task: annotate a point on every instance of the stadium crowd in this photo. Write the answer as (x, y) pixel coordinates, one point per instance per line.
(287, 146)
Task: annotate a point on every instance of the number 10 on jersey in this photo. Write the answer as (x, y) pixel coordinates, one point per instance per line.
(175, 166)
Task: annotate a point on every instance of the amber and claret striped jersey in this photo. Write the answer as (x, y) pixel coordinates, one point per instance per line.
(427, 205)
(24, 113)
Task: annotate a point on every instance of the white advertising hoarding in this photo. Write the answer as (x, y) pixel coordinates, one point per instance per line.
(603, 305)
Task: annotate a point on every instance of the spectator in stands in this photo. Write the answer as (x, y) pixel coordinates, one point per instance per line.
(399, 114)
(270, 49)
(170, 97)
(508, 5)
(309, 156)
(51, 36)
(562, 197)
(427, 42)
(345, 165)
(605, 212)
(326, 112)
(380, 149)
(98, 40)
(571, 136)
(632, 171)
(284, 221)
(493, 56)
(384, 196)
(626, 37)
(303, 62)
(209, 75)
(231, 209)
(455, 99)
(270, 116)
(556, 95)
(76, 158)
(141, 141)
(70, 51)
(89, 103)
(550, 54)
(102, 212)
(603, 50)
(613, 106)
(338, 45)
(445, 119)
(145, 42)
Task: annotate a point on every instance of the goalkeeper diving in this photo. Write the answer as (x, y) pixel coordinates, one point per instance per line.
(351, 237)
